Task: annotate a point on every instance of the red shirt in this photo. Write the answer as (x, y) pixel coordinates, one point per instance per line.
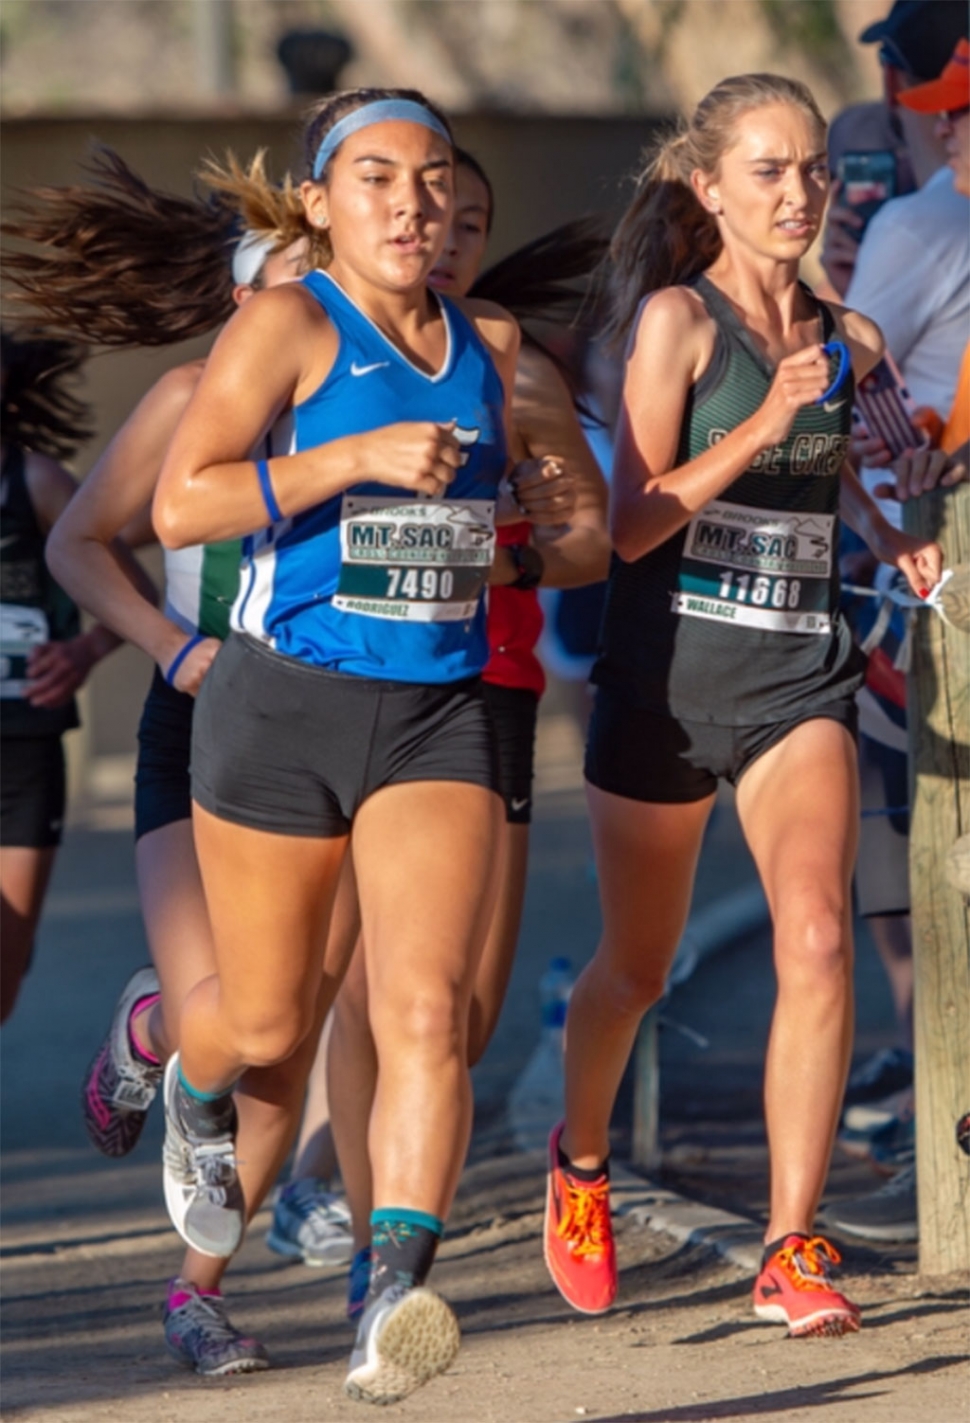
(514, 628)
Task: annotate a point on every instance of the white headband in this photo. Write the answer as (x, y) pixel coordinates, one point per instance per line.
(250, 254)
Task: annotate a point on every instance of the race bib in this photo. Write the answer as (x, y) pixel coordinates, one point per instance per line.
(21, 629)
(414, 561)
(757, 568)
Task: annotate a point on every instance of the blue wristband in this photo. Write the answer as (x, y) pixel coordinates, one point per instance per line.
(180, 657)
(266, 489)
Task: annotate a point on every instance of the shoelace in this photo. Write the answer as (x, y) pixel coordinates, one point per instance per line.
(135, 1090)
(585, 1224)
(808, 1263)
(209, 1315)
(215, 1169)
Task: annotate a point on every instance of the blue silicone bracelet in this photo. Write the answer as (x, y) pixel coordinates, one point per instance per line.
(266, 489)
(180, 657)
(840, 349)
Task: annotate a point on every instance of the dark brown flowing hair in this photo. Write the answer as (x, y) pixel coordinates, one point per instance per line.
(118, 263)
(38, 410)
(666, 237)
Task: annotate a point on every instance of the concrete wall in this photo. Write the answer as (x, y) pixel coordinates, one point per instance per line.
(544, 170)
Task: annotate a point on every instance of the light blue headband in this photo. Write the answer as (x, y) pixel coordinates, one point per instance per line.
(377, 112)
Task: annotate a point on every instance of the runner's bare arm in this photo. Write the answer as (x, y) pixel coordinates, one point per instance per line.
(921, 560)
(57, 669)
(501, 335)
(276, 351)
(84, 549)
(574, 551)
(651, 498)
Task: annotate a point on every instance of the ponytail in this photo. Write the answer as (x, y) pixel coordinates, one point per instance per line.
(121, 263)
(38, 411)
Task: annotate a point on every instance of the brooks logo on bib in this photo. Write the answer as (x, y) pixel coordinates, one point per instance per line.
(414, 561)
(757, 568)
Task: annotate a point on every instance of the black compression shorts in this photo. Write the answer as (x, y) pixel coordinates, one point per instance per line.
(281, 746)
(514, 711)
(644, 756)
(163, 793)
(32, 791)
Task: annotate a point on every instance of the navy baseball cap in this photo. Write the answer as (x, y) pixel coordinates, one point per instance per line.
(920, 35)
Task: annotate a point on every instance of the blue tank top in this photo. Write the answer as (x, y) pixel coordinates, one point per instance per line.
(378, 582)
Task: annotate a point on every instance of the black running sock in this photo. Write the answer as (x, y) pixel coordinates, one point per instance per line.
(403, 1245)
(582, 1173)
(206, 1115)
(774, 1245)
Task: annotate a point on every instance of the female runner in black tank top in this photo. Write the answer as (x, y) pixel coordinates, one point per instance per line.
(44, 656)
(724, 656)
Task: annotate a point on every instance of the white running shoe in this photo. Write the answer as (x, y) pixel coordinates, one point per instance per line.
(202, 1190)
(405, 1337)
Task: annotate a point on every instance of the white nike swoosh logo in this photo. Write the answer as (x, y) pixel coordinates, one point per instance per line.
(356, 370)
(830, 406)
(519, 804)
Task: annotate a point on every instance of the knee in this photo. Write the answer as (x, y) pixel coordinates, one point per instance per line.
(813, 943)
(267, 1038)
(625, 990)
(429, 1021)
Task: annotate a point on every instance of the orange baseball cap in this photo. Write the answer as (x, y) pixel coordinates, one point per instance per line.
(950, 91)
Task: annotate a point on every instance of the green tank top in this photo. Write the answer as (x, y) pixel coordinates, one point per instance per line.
(734, 620)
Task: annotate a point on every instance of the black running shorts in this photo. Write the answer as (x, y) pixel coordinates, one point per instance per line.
(163, 792)
(514, 711)
(281, 746)
(32, 791)
(644, 756)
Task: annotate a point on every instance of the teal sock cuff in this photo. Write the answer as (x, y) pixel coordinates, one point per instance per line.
(201, 1096)
(389, 1215)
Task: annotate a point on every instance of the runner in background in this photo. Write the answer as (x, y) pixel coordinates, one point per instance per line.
(536, 281)
(891, 1212)
(347, 702)
(44, 657)
(724, 656)
(188, 264)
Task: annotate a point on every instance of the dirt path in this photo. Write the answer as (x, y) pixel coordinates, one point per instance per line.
(83, 1344)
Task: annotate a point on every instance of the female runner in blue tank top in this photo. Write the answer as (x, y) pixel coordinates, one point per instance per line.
(347, 701)
(723, 655)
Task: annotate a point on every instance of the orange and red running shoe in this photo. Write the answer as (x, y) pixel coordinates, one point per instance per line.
(795, 1288)
(578, 1236)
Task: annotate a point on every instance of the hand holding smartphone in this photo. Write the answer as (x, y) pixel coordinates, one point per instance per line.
(867, 180)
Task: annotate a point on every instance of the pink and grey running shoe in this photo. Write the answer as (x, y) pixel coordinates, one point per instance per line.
(120, 1086)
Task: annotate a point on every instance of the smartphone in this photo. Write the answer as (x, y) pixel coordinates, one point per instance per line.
(868, 180)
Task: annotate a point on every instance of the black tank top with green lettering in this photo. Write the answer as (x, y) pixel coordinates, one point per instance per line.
(734, 619)
(33, 609)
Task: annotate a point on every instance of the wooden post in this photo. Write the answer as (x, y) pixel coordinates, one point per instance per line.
(646, 1095)
(939, 721)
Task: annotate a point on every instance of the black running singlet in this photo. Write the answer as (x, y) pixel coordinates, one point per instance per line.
(734, 620)
(33, 609)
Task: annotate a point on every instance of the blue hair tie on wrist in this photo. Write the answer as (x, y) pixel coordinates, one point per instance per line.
(180, 657)
(378, 112)
(840, 349)
(266, 489)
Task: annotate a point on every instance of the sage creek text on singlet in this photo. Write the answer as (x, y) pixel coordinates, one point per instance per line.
(380, 582)
(734, 619)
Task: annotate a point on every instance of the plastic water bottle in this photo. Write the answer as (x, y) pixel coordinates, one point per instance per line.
(536, 1102)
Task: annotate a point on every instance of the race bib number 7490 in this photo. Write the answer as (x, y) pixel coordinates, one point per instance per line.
(758, 568)
(414, 560)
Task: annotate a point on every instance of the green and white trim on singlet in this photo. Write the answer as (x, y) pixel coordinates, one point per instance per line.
(201, 584)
